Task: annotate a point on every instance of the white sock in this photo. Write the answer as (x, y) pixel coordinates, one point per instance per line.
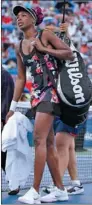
(75, 182)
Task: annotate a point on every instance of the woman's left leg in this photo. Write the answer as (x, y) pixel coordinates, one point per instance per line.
(42, 126)
(53, 160)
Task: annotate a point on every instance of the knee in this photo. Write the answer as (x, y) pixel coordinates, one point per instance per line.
(39, 139)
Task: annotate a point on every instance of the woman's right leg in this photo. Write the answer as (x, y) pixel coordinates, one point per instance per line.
(63, 141)
(76, 186)
(72, 166)
(53, 160)
(43, 123)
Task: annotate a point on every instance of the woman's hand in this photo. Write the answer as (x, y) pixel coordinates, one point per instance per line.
(9, 114)
(64, 27)
(38, 45)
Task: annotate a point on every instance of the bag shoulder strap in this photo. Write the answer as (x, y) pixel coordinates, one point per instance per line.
(46, 70)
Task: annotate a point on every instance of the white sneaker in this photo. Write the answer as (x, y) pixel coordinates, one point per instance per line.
(75, 189)
(55, 195)
(48, 189)
(31, 197)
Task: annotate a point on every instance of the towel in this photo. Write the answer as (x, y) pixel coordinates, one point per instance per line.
(19, 153)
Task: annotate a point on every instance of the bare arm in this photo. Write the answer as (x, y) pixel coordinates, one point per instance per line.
(21, 78)
(61, 51)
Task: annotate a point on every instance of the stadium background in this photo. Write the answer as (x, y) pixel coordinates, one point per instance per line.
(79, 17)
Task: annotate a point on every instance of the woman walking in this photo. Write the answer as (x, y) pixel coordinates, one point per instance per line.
(44, 100)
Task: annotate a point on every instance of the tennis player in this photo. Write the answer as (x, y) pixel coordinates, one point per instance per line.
(44, 101)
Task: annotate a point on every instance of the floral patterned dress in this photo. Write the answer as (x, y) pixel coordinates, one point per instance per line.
(38, 92)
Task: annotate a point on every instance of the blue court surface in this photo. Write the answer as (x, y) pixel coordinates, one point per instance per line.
(85, 198)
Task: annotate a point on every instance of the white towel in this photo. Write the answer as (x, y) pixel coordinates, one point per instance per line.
(19, 153)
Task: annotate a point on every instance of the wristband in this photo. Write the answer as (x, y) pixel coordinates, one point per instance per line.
(13, 105)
